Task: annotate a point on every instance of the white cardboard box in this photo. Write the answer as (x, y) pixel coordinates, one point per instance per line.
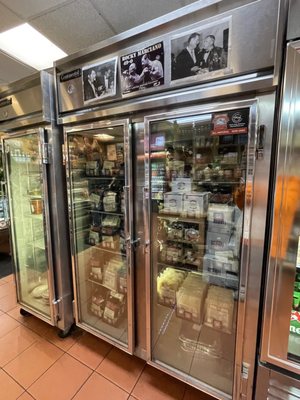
(173, 203)
(195, 203)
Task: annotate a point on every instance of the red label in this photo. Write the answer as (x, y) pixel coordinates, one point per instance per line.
(295, 316)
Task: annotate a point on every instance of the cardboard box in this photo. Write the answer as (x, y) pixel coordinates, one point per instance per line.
(219, 265)
(195, 203)
(217, 242)
(182, 185)
(173, 203)
(220, 214)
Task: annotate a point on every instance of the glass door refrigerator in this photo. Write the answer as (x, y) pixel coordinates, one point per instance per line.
(205, 224)
(35, 186)
(279, 361)
(100, 206)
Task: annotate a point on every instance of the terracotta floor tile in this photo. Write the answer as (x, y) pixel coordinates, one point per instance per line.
(51, 334)
(61, 381)
(121, 368)
(15, 342)
(99, 388)
(25, 396)
(10, 278)
(33, 362)
(6, 289)
(154, 384)
(9, 389)
(8, 302)
(7, 324)
(194, 394)
(15, 313)
(90, 350)
(37, 325)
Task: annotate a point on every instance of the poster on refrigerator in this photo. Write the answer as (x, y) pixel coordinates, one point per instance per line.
(142, 69)
(230, 123)
(200, 53)
(99, 80)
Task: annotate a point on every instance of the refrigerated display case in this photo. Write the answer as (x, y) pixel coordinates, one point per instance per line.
(200, 165)
(279, 360)
(100, 201)
(35, 187)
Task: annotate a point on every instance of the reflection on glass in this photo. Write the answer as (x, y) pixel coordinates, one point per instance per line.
(197, 202)
(97, 179)
(26, 199)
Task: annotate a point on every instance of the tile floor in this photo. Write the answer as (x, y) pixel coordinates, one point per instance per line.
(36, 364)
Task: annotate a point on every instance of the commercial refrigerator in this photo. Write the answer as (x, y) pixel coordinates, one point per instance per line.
(37, 207)
(197, 167)
(279, 358)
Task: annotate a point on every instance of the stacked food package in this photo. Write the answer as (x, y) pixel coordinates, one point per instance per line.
(109, 299)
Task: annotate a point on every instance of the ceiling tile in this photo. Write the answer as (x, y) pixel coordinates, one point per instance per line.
(135, 12)
(29, 8)
(8, 19)
(12, 70)
(73, 27)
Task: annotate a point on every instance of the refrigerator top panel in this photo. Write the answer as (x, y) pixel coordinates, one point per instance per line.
(204, 42)
(293, 28)
(27, 102)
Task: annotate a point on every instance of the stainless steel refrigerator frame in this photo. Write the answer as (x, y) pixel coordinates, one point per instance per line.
(129, 238)
(37, 116)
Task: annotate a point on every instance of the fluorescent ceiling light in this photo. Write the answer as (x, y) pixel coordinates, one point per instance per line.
(29, 46)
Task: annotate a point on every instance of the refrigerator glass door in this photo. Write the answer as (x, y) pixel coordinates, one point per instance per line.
(198, 172)
(27, 188)
(281, 324)
(99, 172)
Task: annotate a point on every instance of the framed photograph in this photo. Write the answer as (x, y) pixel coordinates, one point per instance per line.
(142, 69)
(99, 80)
(201, 53)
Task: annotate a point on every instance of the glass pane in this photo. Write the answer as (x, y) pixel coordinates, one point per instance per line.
(97, 176)
(3, 196)
(197, 202)
(28, 225)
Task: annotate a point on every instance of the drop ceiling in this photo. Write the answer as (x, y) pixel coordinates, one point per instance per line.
(74, 25)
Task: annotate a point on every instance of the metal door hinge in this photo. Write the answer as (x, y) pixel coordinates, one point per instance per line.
(56, 309)
(260, 142)
(46, 153)
(244, 380)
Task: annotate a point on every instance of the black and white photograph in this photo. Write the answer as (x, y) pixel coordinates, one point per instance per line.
(143, 68)
(99, 80)
(200, 52)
